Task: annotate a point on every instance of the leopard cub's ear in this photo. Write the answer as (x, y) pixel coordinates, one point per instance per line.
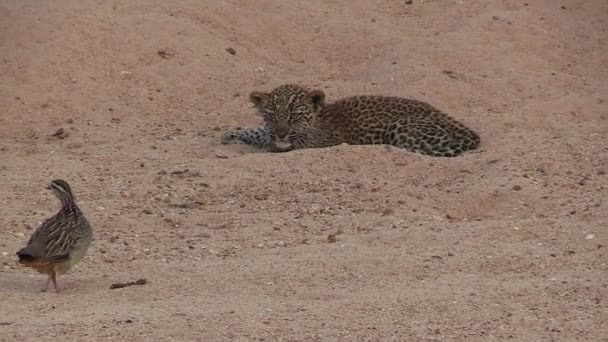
(259, 99)
(317, 97)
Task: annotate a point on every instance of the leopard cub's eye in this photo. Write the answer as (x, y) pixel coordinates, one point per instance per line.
(295, 116)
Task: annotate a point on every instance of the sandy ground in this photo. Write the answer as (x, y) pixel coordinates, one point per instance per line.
(351, 243)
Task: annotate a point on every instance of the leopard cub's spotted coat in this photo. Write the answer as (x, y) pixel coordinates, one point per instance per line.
(296, 118)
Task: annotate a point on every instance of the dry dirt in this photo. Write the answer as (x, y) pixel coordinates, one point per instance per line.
(339, 244)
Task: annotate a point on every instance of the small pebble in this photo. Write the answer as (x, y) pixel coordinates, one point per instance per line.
(231, 51)
(590, 236)
(166, 53)
(61, 133)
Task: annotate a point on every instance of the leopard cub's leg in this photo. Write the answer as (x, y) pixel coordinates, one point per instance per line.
(259, 137)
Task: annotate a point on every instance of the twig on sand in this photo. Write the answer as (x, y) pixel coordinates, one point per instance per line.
(141, 281)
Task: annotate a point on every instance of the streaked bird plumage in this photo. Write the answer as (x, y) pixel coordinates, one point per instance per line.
(61, 241)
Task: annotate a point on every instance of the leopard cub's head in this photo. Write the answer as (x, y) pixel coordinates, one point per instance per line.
(288, 111)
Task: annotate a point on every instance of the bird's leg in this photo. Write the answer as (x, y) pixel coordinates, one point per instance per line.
(48, 282)
(53, 278)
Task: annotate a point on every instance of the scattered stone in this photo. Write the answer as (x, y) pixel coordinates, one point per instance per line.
(516, 187)
(590, 236)
(260, 197)
(450, 217)
(219, 154)
(408, 2)
(388, 211)
(166, 53)
(331, 238)
(61, 133)
(74, 145)
(450, 74)
(147, 211)
(186, 205)
(231, 51)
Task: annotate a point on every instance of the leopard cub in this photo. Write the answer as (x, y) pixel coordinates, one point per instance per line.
(296, 118)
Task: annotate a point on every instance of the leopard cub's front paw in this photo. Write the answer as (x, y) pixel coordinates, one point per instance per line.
(231, 137)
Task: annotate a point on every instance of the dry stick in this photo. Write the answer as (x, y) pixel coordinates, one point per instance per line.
(131, 283)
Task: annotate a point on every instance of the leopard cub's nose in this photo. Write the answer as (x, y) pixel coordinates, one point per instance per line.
(281, 128)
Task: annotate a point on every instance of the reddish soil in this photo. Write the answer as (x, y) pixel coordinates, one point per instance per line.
(351, 243)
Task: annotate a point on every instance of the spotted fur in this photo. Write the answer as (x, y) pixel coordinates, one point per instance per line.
(296, 118)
